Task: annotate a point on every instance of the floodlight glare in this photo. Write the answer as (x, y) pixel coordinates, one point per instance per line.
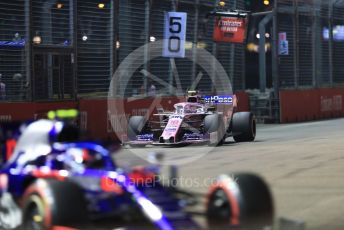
(37, 40)
(222, 3)
(152, 39)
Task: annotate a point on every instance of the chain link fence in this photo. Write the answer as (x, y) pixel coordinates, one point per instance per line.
(337, 24)
(315, 35)
(145, 23)
(95, 46)
(65, 49)
(13, 50)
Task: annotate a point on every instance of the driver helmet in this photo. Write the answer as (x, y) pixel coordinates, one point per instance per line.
(192, 96)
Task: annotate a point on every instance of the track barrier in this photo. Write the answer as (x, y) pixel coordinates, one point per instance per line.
(311, 104)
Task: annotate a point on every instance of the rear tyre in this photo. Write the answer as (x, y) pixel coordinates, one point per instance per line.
(213, 125)
(135, 127)
(244, 127)
(242, 200)
(48, 203)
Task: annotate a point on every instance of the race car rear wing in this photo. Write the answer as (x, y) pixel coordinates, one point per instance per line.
(218, 99)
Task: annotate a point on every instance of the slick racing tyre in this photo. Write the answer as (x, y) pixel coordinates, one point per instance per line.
(242, 201)
(48, 203)
(213, 125)
(244, 127)
(135, 127)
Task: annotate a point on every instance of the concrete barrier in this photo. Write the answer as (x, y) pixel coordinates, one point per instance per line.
(311, 104)
(243, 101)
(96, 117)
(22, 111)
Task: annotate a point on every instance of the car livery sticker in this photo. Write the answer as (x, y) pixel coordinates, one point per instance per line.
(172, 126)
(220, 99)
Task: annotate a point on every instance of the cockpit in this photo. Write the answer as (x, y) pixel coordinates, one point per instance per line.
(188, 108)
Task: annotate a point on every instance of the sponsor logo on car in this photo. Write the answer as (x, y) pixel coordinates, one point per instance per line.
(193, 136)
(145, 137)
(220, 99)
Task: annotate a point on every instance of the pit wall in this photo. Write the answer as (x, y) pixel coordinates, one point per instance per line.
(311, 104)
(95, 117)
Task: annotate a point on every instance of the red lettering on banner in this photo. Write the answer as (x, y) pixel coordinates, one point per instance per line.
(117, 123)
(5, 118)
(139, 112)
(338, 102)
(311, 104)
(230, 29)
(331, 104)
(83, 120)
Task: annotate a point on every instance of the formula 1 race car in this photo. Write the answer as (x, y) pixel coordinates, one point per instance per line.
(53, 181)
(207, 119)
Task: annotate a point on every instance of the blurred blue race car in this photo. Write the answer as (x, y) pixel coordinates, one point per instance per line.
(52, 180)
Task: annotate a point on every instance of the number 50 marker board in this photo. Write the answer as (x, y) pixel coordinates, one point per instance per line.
(174, 35)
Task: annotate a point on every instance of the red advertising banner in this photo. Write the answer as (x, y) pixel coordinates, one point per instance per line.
(230, 29)
(311, 104)
(95, 117)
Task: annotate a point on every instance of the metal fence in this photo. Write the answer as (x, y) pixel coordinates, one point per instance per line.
(13, 52)
(95, 46)
(307, 49)
(315, 34)
(141, 22)
(64, 49)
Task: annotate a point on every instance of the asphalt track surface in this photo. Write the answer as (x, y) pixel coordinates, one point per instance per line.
(303, 164)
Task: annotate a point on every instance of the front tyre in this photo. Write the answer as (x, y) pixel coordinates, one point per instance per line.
(49, 203)
(244, 127)
(135, 127)
(214, 126)
(242, 200)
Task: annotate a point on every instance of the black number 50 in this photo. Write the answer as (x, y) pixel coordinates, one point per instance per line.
(174, 21)
(175, 28)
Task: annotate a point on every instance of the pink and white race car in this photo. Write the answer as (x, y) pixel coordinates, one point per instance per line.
(201, 119)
